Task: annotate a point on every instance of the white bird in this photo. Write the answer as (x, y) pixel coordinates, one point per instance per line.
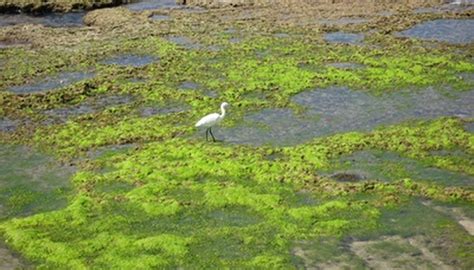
(211, 120)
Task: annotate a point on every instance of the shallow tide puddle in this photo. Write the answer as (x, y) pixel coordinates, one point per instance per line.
(337, 109)
(445, 30)
(158, 17)
(61, 115)
(157, 109)
(343, 21)
(184, 42)
(58, 81)
(31, 182)
(141, 5)
(7, 125)
(130, 60)
(346, 65)
(345, 38)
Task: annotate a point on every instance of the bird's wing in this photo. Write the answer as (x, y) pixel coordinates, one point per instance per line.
(208, 120)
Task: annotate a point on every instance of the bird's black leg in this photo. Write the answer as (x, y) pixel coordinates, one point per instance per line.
(213, 139)
(207, 130)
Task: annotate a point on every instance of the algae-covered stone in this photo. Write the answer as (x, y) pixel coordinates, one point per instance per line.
(108, 17)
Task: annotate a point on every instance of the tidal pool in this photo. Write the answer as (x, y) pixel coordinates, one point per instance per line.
(342, 37)
(58, 81)
(130, 60)
(71, 19)
(445, 30)
(184, 42)
(346, 65)
(61, 115)
(158, 17)
(141, 5)
(469, 127)
(7, 125)
(343, 21)
(390, 166)
(188, 85)
(31, 182)
(156, 109)
(338, 109)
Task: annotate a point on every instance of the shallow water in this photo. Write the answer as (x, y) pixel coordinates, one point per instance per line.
(57, 81)
(184, 42)
(130, 60)
(31, 182)
(445, 30)
(469, 127)
(151, 110)
(334, 110)
(157, 17)
(7, 125)
(187, 85)
(61, 115)
(342, 37)
(141, 5)
(343, 21)
(346, 65)
(389, 166)
(72, 19)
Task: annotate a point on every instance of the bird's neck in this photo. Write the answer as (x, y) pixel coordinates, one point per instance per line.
(222, 112)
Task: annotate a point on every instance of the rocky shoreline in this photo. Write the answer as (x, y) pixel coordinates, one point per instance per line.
(35, 6)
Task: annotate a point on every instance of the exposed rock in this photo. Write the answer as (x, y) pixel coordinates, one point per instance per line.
(108, 17)
(36, 6)
(220, 3)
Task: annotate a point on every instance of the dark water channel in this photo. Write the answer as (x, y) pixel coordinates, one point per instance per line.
(72, 19)
(334, 110)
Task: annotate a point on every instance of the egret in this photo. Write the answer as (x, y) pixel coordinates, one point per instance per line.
(211, 120)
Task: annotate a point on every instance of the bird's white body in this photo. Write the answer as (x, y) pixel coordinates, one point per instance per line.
(212, 119)
(209, 120)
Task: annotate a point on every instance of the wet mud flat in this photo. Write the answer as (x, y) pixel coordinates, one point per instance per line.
(345, 144)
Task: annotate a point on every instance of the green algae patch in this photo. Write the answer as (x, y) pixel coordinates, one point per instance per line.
(139, 221)
(180, 185)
